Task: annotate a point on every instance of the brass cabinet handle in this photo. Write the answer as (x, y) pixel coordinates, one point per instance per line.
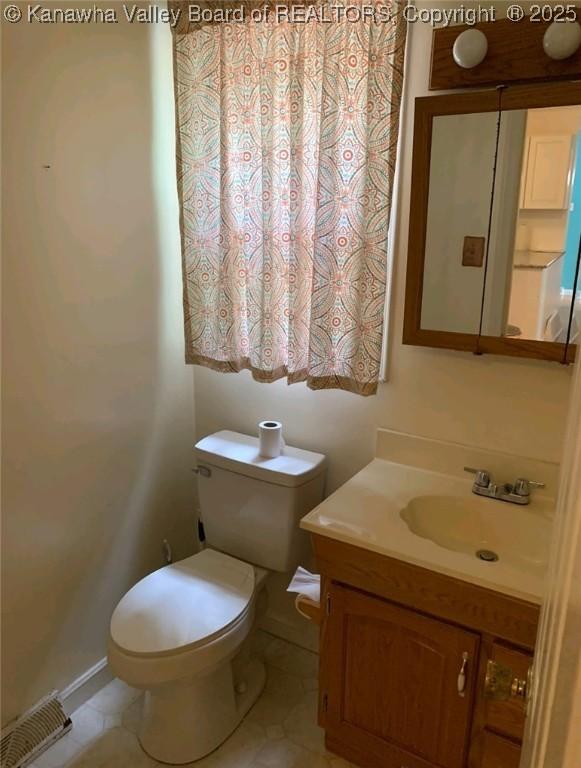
(518, 688)
(462, 675)
(500, 684)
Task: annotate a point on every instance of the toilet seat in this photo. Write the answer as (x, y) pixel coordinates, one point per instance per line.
(183, 606)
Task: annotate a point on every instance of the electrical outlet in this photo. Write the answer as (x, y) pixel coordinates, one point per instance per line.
(473, 251)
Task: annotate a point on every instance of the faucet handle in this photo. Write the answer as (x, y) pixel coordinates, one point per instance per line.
(482, 479)
(522, 486)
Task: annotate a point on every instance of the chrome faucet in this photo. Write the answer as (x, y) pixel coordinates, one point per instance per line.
(518, 492)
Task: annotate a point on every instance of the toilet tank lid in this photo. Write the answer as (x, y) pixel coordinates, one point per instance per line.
(239, 453)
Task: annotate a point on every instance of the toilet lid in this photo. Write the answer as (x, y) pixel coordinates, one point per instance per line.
(183, 604)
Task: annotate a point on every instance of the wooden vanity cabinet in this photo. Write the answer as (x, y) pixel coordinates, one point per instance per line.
(393, 641)
(392, 682)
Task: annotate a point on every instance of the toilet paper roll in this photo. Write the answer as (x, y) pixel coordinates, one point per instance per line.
(270, 439)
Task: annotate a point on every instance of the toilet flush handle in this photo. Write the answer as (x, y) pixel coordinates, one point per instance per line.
(202, 471)
(166, 550)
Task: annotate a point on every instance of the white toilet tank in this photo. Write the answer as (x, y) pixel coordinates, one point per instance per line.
(251, 506)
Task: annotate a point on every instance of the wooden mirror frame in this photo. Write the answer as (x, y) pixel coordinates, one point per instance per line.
(535, 96)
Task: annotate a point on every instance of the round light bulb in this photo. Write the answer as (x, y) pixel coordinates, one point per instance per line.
(470, 48)
(562, 39)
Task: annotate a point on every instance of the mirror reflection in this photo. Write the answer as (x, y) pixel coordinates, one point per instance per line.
(536, 225)
(574, 331)
(503, 224)
(460, 188)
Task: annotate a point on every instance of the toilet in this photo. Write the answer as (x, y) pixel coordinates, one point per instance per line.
(183, 631)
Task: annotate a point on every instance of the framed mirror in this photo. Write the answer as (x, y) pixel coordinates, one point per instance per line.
(495, 222)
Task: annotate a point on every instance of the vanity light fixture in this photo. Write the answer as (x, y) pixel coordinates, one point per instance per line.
(562, 39)
(470, 48)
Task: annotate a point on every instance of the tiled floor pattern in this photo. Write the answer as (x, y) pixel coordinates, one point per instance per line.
(280, 731)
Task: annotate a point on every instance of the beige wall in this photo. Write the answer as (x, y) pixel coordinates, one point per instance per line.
(493, 402)
(98, 408)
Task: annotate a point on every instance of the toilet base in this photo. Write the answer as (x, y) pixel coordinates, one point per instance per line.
(185, 721)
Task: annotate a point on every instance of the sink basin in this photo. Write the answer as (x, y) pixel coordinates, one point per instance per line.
(519, 536)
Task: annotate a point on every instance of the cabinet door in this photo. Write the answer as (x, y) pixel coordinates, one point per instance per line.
(547, 172)
(391, 683)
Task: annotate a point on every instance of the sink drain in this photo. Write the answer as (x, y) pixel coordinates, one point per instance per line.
(487, 554)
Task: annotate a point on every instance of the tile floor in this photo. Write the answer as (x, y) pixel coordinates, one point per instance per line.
(280, 731)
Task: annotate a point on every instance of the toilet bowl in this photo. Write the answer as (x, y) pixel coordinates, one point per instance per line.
(175, 634)
(180, 632)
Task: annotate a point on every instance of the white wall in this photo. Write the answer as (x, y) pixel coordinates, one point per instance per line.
(461, 174)
(500, 403)
(97, 403)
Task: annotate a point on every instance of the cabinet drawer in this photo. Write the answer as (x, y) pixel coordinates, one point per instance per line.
(508, 717)
(498, 752)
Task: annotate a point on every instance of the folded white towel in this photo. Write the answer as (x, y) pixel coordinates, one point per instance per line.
(306, 583)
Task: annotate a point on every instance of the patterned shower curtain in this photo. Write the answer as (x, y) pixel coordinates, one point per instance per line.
(286, 144)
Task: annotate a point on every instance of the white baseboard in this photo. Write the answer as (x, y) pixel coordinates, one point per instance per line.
(87, 684)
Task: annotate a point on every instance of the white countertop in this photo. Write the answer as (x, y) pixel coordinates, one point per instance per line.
(365, 512)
